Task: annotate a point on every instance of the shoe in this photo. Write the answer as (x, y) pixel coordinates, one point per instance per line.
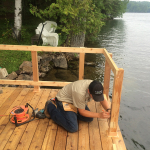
(45, 110)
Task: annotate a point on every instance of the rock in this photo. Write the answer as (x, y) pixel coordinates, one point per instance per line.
(42, 75)
(27, 70)
(12, 76)
(24, 77)
(26, 63)
(60, 62)
(72, 56)
(46, 61)
(3, 73)
(39, 59)
(45, 68)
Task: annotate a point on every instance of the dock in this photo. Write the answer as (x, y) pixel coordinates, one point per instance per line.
(42, 134)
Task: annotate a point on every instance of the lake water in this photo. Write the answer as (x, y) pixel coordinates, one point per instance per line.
(128, 39)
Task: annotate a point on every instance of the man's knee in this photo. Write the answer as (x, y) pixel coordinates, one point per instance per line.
(73, 129)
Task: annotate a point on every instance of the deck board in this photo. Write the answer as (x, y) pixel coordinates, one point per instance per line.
(44, 134)
(94, 132)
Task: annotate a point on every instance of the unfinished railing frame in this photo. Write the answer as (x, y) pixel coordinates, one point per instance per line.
(109, 65)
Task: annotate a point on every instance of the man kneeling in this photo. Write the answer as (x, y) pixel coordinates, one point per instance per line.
(70, 104)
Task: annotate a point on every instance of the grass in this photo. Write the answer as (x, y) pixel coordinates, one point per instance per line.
(11, 60)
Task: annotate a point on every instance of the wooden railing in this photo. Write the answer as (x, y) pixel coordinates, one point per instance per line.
(109, 65)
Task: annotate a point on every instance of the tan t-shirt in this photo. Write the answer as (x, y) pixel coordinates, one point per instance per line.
(75, 93)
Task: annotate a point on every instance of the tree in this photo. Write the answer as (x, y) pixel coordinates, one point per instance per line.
(73, 17)
(114, 8)
(76, 17)
(18, 18)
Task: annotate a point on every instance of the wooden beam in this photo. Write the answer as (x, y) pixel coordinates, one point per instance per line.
(38, 83)
(107, 77)
(81, 66)
(35, 70)
(111, 63)
(116, 97)
(51, 49)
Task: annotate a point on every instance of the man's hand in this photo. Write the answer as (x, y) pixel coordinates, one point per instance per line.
(104, 115)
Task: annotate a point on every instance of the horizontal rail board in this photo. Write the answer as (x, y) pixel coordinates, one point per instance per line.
(110, 61)
(51, 49)
(38, 83)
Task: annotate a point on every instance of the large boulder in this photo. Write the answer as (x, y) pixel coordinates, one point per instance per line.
(27, 70)
(60, 61)
(26, 67)
(26, 63)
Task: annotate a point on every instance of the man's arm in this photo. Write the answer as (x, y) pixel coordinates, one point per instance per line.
(90, 114)
(105, 104)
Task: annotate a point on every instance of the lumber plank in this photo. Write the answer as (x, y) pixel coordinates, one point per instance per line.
(110, 62)
(50, 136)
(107, 78)
(81, 66)
(49, 139)
(35, 70)
(116, 98)
(6, 93)
(94, 132)
(39, 83)
(39, 135)
(61, 138)
(18, 132)
(83, 143)
(103, 126)
(25, 141)
(51, 49)
(72, 141)
(9, 128)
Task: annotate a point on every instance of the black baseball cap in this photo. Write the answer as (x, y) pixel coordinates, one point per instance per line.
(96, 89)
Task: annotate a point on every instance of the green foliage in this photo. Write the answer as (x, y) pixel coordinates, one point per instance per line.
(141, 7)
(114, 8)
(76, 16)
(72, 16)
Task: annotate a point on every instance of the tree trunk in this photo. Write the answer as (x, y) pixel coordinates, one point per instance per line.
(77, 40)
(18, 18)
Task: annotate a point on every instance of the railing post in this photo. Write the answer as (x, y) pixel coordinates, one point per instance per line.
(107, 77)
(35, 70)
(81, 66)
(116, 97)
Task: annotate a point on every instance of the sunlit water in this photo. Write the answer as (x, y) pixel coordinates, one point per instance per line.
(128, 39)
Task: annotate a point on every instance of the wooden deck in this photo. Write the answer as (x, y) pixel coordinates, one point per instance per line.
(44, 134)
